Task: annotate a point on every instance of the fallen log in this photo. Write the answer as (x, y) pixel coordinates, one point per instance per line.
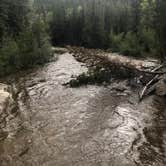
(147, 71)
(153, 72)
(141, 95)
(147, 66)
(156, 78)
(157, 68)
(139, 65)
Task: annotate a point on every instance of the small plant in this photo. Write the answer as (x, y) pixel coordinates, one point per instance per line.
(130, 45)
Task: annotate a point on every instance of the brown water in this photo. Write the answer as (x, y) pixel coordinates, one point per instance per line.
(86, 126)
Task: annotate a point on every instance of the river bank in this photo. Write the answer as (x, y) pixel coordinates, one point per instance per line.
(106, 67)
(7, 110)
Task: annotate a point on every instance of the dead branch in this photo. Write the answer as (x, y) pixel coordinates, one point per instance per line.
(157, 68)
(153, 72)
(155, 78)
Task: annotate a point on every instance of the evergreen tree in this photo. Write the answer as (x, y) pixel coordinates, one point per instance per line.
(161, 25)
(23, 41)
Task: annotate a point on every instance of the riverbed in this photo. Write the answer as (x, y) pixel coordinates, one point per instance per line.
(86, 126)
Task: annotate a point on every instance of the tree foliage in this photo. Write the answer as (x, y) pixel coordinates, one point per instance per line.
(132, 27)
(23, 41)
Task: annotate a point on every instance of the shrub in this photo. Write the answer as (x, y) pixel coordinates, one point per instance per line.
(130, 45)
(115, 41)
(148, 39)
(31, 47)
(8, 56)
(34, 46)
(127, 44)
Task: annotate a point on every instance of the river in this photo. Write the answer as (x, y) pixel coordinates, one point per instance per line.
(91, 125)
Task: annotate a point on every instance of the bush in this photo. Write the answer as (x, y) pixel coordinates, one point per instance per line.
(31, 47)
(115, 41)
(32, 52)
(127, 44)
(130, 45)
(8, 56)
(148, 38)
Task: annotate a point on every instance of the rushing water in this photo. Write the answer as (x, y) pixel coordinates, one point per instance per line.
(86, 126)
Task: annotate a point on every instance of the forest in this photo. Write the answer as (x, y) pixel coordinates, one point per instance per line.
(82, 82)
(131, 27)
(28, 28)
(23, 38)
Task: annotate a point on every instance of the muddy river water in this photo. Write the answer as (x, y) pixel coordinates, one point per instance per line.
(86, 126)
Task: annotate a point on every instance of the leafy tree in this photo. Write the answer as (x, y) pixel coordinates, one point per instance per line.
(23, 41)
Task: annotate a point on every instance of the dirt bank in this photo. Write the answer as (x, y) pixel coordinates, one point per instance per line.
(7, 110)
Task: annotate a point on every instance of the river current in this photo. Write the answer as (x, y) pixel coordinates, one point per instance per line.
(86, 126)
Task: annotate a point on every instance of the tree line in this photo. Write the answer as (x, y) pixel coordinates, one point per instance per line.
(23, 38)
(132, 27)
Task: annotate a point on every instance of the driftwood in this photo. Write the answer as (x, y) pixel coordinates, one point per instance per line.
(148, 88)
(119, 61)
(145, 69)
(151, 72)
(148, 71)
(147, 66)
(157, 68)
(155, 78)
